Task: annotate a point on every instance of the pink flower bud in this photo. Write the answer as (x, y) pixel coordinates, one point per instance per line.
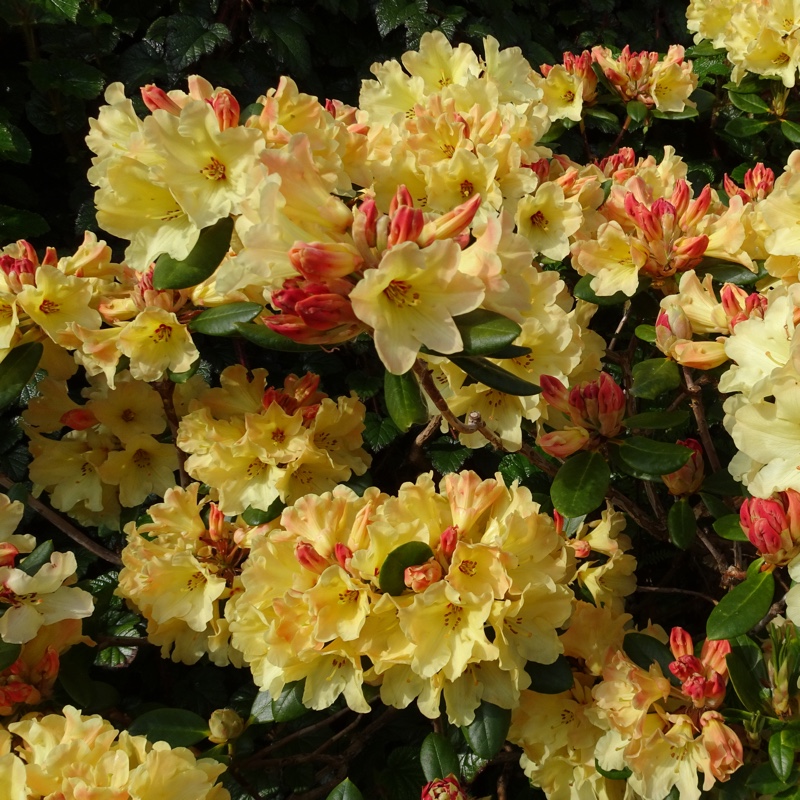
(696, 209)
(444, 789)
(401, 198)
(611, 405)
(216, 523)
(680, 642)
(226, 109)
(688, 479)
(555, 393)
(420, 577)
(365, 220)
(565, 442)
(342, 553)
(733, 303)
(323, 260)
(309, 558)
(448, 541)
(763, 521)
(406, 225)
(685, 666)
(687, 251)
(155, 98)
(714, 655)
(759, 181)
(451, 224)
(322, 312)
(79, 419)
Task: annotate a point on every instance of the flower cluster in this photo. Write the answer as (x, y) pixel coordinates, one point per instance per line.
(256, 444)
(427, 594)
(71, 755)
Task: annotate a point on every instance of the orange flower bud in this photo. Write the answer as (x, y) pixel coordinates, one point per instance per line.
(309, 558)
(155, 98)
(688, 479)
(79, 419)
(564, 443)
(420, 577)
(226, 109)
(323, 260)
(444, 789)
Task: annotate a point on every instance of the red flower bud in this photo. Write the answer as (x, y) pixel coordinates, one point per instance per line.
(689, 478)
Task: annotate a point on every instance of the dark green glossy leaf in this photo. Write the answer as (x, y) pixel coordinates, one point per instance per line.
(781, 755)
(744, 127)
(485, 332)
(584, 291)
(764, 781)
(791, 130)
(681, 524)
(261, 710)
(34, 561)
(726, 272)
(749, 103)
(647, 333)
(222, 320)
(447, 455)
(746, 670)
(182, 377)
(495, 377)
(657, 420)
(730, 528)
(645, 650)
(212, 246)
(438, 758)
(267, 338)
(289, 705)
(636, 110)
(580, 484)
(613, 774)
(175, 726)
(652, 457)
(404, 400)
(723, 484)
(9, 653)
(392, 575)
(16, 369)
(69, 76)
(550, 678)
(255, 516)
(653, 377)
(687, 113)
(487, 733)
(511, 351)
(16, 223)
(378, 431)
(742, 608)
(346, 790)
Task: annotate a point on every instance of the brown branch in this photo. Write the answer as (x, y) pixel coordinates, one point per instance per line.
(166, 388)
(66, 527)
(719, 559)
(668, 590)
(429, 430)
(699, 411)
(616, 141)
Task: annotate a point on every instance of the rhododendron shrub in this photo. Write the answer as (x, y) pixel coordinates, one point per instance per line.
(408, 448)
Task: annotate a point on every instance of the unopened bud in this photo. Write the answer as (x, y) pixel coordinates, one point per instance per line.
(309, 558)
(7, 554)
(448, 541)
(155, 98)
(563, 443)
(226, 109)
(225, 724)
(444, 789)
(325, 311)
(79, 419)
(323, 260)
(452, 224)
(555, 393)
(402, 197)
(680, 642)
(342, 553)
(420, 577)
(688, 479)
(406, 225)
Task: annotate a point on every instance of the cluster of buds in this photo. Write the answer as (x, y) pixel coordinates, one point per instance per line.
(315, 306)
(758, 183)
(703, 680)
(444, 789)
(641, 76)
(595, 409)
(773, 526)
(20, 271)
(688, 479)
(225, 105)
(581, 67)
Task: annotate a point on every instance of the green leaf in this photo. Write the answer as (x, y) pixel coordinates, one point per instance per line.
(403, 400)
(267, 338)
(69, 76)
(647, 333)
(16, 369)
(742, 608)
(346, 790)
(255, 516)
(652, 457)
(9, 653)
(379, 431)
(653, 377)
(189, 38)
(34, 561)
(68, 9)
(515, 466)
(723, 484)
(580, 484)
(763, 780)
(687, 113)
(75, 680)
(550, 678)
(729, 527)
(495, 377)
(749, 103)
(212, 246)
(261, 710)
(747, 671)
(485, 332)
(182, 377)
(601, 114)
(222, 320)
(447, 455)
(781, 755)
(743, 127)
(613, 774)
(175, 726)
(512, 351)
(15, 223)
(681, 524)
(438, 758)
(584, 291)
(636, 110)
(645, 650)
(391, 578)
(791, 130)
(289, 705)
(291, 38)
(726, 272)
(657, 420)
(487, 733)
